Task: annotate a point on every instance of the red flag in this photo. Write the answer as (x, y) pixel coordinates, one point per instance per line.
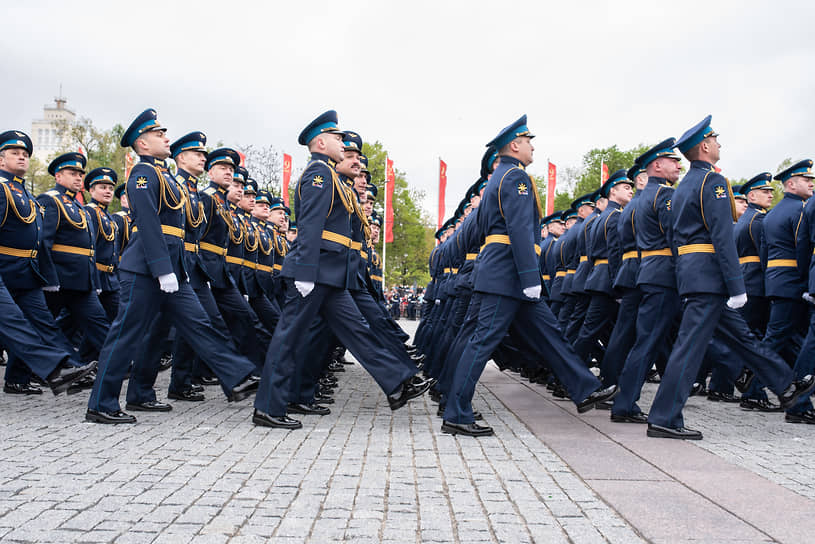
(550, 189)
(390, 181)
(603, 172)
(286, 177)
(717, 169)
(128, 165)
(442, 189)
(243, 159)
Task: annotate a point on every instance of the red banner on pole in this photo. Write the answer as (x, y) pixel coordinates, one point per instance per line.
(550, 189)
(243, 159)
(603, 173)
(390, 181)
(286, 178)
(442, 189)
(128, 165)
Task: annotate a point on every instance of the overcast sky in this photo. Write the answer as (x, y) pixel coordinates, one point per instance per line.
(428, 79)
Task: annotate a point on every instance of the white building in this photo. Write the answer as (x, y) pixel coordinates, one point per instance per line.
(44, 132)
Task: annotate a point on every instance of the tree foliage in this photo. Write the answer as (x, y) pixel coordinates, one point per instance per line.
(265, 165)
(406, 257)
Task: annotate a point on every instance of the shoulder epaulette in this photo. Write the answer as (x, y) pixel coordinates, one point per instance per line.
(3, 179)
(52, 192)
(666, 185)
(91, 204)
(121, 213)
(209, 191)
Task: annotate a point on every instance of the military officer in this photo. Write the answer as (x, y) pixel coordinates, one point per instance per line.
(656, 280)
(741, 201)
(153, 279)
(570, 253)
(35, 345)
(316, 276)
(508, 287)
(710, 280)
(122, 220)
(100, 183)
(556, 263)
(69, 237)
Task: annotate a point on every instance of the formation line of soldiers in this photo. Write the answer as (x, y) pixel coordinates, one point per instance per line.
(215, 277)
(695, 280)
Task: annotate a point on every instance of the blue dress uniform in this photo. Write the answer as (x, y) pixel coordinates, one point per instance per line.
(37, 346)
(656, 280)
(708, 272)
(625, 284)
(606, 262)
(320, 257)
(265, 270)
(220, 233)
(156, 250)
(106, 251)
(69, 236)
(802, 411)
(556, 264)
(784, 280)
(582, 298)
(570, 254)
(509, 216)
(546, 247)
(123, 222)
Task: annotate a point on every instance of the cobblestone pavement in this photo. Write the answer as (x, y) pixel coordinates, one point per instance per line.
(782, 452)
(204, 473)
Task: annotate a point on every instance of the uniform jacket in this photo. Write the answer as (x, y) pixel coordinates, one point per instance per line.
(265, 270)
(69, 236)
(584, 264)
(626, 250)
(750, 246)
(556, 268)
(782, 227)
(653, 222)
(703, 208)
(124, 223)
(106, 251)
(509, 208)
(196, 224)
(605, 259)
(215, 237)
(568, 255)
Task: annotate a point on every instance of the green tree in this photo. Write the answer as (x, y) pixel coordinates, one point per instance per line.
(406, 258)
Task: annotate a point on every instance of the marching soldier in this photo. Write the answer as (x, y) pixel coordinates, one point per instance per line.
(122, 220)
(99, 183)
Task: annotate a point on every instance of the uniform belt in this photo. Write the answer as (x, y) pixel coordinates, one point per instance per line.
(546, 277)
(14, 252)
(377, 278)
(448, 270)
(357, 246)
(234, 260)
(454, 270)
(191, 247)
(600, 261)
(363, 254)
(749, 259)
(250, 264)
(338, 238)
(471, 256)
(570, 271)
(665, 252)
(560, 273)
(109, 268)
(502, 239)
(777, 263)
(212, 248)
(584, 258)
(166, 229)
(630, 255)
(278, 267)
(696, 248)
(87, 252)
(265, 268)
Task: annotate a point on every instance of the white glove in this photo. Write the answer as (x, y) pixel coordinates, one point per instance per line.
(246, 298)
(168, 283)
(98, 291)
(809, 298)
(438, 301)
(533, 292)
(737, 301)
(304, 287)
(51, 288)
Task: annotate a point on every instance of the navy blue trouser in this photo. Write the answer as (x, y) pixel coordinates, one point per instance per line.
(658, 309)
(31, 302)
(281, 377)
(22, 342)
(141, 303)
(566, 311)
(805, 364)
(578, 316)
(454, 323)
(532, 321)
(87, 314)
(704, 315)
(250, 336)
(597, 325)
(786, 328)
(622, 337)
(463, 336)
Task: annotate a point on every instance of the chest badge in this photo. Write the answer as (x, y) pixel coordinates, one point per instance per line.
(317, 182)
(719, 191)
(523, 189)
(141, 183)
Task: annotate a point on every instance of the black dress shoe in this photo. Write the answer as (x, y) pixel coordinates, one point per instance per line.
(559, 392)
(197, 388)
(188, 395)
(653, 376)
(601, 395)
(629, 418)
(407, 390)
(435, 395)
(604, 405)
(328, 382)
(796, 390)
(761, 405)
(109, 417)
(64, 375)
(82, 384)
(715, 396)
(334, 366)
(21, 389)
(804, 417)
(323, 399)
(682, 433)
(418, 380)
(206, 380)
(744, 380)
(417, 359)
(244, 389)
(467, 429)
(279, 422)
(698, 388)
(308, 409)
(165, 363)
(149, 406)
